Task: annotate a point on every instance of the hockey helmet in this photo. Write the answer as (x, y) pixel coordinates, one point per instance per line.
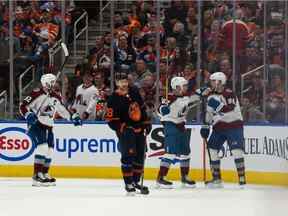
(178, 81)
(48, 80)
(219, 76)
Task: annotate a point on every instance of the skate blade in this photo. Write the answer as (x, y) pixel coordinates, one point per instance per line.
(242, 187)
(142, 192)
(39, 184)
(130, 194)
(183, 185)
(52, 184)
(218, 186)
(161, 186)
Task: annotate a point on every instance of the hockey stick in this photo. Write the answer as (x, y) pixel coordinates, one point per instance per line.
(66, 54)
(144, 157)
(204, 140)
(167, 77)
(204, 159)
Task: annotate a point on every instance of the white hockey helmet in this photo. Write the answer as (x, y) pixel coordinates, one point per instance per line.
(178, 81)
(48, 80)
(219, 76)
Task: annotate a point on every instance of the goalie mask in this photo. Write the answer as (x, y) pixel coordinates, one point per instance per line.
(218, 80)
(48, 81)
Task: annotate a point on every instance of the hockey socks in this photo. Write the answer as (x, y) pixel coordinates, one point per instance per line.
(164, 167)
(39, 161)
(184, 168)
(216, 182)
(137, 171)
(214, 164)
(42, 162)
(38, 177)
(240, 170)
(127, 172)
(238, 155)
(215, 169)
(46, 165)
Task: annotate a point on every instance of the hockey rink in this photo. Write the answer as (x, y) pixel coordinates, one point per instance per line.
(81, 197)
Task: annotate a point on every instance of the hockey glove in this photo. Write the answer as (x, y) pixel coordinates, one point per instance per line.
(31, 118)
(203, 91)
(120, 129)
(75, 118)
(164, 109)
(204, 131)
(215, 104)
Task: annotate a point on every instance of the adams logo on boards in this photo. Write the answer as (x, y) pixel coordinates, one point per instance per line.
(15, 144)
(276, 147)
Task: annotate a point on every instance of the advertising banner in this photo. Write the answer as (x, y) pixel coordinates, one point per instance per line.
(266, 147)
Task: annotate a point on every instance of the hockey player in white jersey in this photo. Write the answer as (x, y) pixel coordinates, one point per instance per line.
(39, 109)
(86, 99)
(224, 115)
(176, 138)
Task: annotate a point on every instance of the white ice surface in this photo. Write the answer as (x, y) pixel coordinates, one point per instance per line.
(87, 197)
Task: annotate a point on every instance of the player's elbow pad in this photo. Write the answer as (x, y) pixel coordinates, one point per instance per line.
(164, 110)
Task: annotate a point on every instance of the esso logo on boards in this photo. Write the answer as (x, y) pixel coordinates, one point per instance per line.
(15, 144)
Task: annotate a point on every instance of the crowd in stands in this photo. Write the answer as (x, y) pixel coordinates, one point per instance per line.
(135, 51)
(135, 48)
(36, 28)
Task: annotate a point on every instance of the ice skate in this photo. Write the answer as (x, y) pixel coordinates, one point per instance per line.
(130, 189)
(39, 180)
(242, 183)
(187, 183)
(163, 183)
(214, 184)
(141, 189)
(51, 180)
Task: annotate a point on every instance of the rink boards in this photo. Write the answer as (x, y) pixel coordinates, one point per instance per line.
(92, 151)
